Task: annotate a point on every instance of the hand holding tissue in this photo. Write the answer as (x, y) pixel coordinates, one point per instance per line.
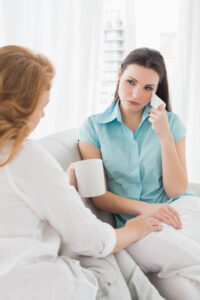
(159, 118)
(156, 101)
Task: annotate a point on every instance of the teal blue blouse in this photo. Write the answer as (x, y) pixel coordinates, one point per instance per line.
(132, 161)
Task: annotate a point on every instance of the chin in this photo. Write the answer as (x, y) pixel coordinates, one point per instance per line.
(133, 107)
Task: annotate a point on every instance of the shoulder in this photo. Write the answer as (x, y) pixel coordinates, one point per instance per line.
(88, 132)
(32, 148)
(92, 127)
(173, 117)
(176, 126)
(103, 117)
(32, 154)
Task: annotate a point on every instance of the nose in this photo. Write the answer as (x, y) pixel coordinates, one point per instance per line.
(136, 92)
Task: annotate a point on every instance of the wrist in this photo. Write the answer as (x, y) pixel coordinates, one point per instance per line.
(124, 237)
(167, 138)
(140, 207)
(130, 230)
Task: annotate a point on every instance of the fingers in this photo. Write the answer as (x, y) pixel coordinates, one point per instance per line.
(175, 216)
(151, 120)
(72, 176)
(156, 225)
(166, 219)
(159, 109)
(169, 216)
(154, 116)
(156, 113)
(71, 166)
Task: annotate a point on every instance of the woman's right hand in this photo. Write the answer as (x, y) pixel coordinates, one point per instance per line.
(134, 230)
(162, 212)
(143, 225)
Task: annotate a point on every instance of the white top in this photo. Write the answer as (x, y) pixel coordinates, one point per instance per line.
(38, 210)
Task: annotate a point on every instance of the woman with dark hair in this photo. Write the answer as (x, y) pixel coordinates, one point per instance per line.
(143, 151)
(150, 59)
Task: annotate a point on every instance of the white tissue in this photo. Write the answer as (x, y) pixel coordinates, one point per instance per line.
(156, 101)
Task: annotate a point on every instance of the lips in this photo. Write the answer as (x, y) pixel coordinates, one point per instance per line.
(132, 102)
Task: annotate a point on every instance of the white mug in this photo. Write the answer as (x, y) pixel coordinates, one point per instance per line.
(90, 177)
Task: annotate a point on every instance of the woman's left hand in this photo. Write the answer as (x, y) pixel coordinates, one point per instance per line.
(72, 176)
(159, 120)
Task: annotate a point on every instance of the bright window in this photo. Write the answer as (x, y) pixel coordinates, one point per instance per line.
(150, 23)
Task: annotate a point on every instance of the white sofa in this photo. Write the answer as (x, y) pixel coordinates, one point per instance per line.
(63, 146)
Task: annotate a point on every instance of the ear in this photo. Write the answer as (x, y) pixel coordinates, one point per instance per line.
(119, 73)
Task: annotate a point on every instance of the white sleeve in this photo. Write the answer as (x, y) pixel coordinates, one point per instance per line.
(44, 187)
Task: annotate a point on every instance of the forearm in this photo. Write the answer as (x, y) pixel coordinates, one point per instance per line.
(174, 176)
(117, 204)
(124, 238)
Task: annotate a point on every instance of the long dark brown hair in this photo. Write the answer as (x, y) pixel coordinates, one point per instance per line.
(151, 59)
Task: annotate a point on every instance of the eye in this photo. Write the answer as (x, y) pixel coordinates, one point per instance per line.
(148, 88)
(131, 82)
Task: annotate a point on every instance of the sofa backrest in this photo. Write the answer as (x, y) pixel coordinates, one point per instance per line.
(63, 146)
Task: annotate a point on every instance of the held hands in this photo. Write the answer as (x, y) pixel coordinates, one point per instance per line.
(158, 118)
(164, 213)
(143, 225)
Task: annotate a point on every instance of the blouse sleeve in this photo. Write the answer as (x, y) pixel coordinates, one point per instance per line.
(44, 187)
(178, 130)
(87, 133)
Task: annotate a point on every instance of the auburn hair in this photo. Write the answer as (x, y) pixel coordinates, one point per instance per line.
(24, 76)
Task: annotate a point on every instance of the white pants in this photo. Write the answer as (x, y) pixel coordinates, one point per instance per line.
(174, 253)
(120, 278)
(138, 284)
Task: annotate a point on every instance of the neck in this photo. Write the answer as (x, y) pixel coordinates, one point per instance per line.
(132, 119)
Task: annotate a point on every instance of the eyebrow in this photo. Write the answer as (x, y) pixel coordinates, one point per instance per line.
(150, 84)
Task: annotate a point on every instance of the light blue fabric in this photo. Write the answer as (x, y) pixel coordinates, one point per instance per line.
(132, 161)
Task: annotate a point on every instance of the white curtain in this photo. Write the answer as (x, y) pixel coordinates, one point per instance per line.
(69, 32)
(130, 25)
(186, 95)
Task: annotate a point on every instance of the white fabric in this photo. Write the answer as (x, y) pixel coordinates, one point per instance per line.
(185, 82)
(48, 278)
(176, 288)
(38, 211)
(70, 33)
(174, 252)
(138, 284)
